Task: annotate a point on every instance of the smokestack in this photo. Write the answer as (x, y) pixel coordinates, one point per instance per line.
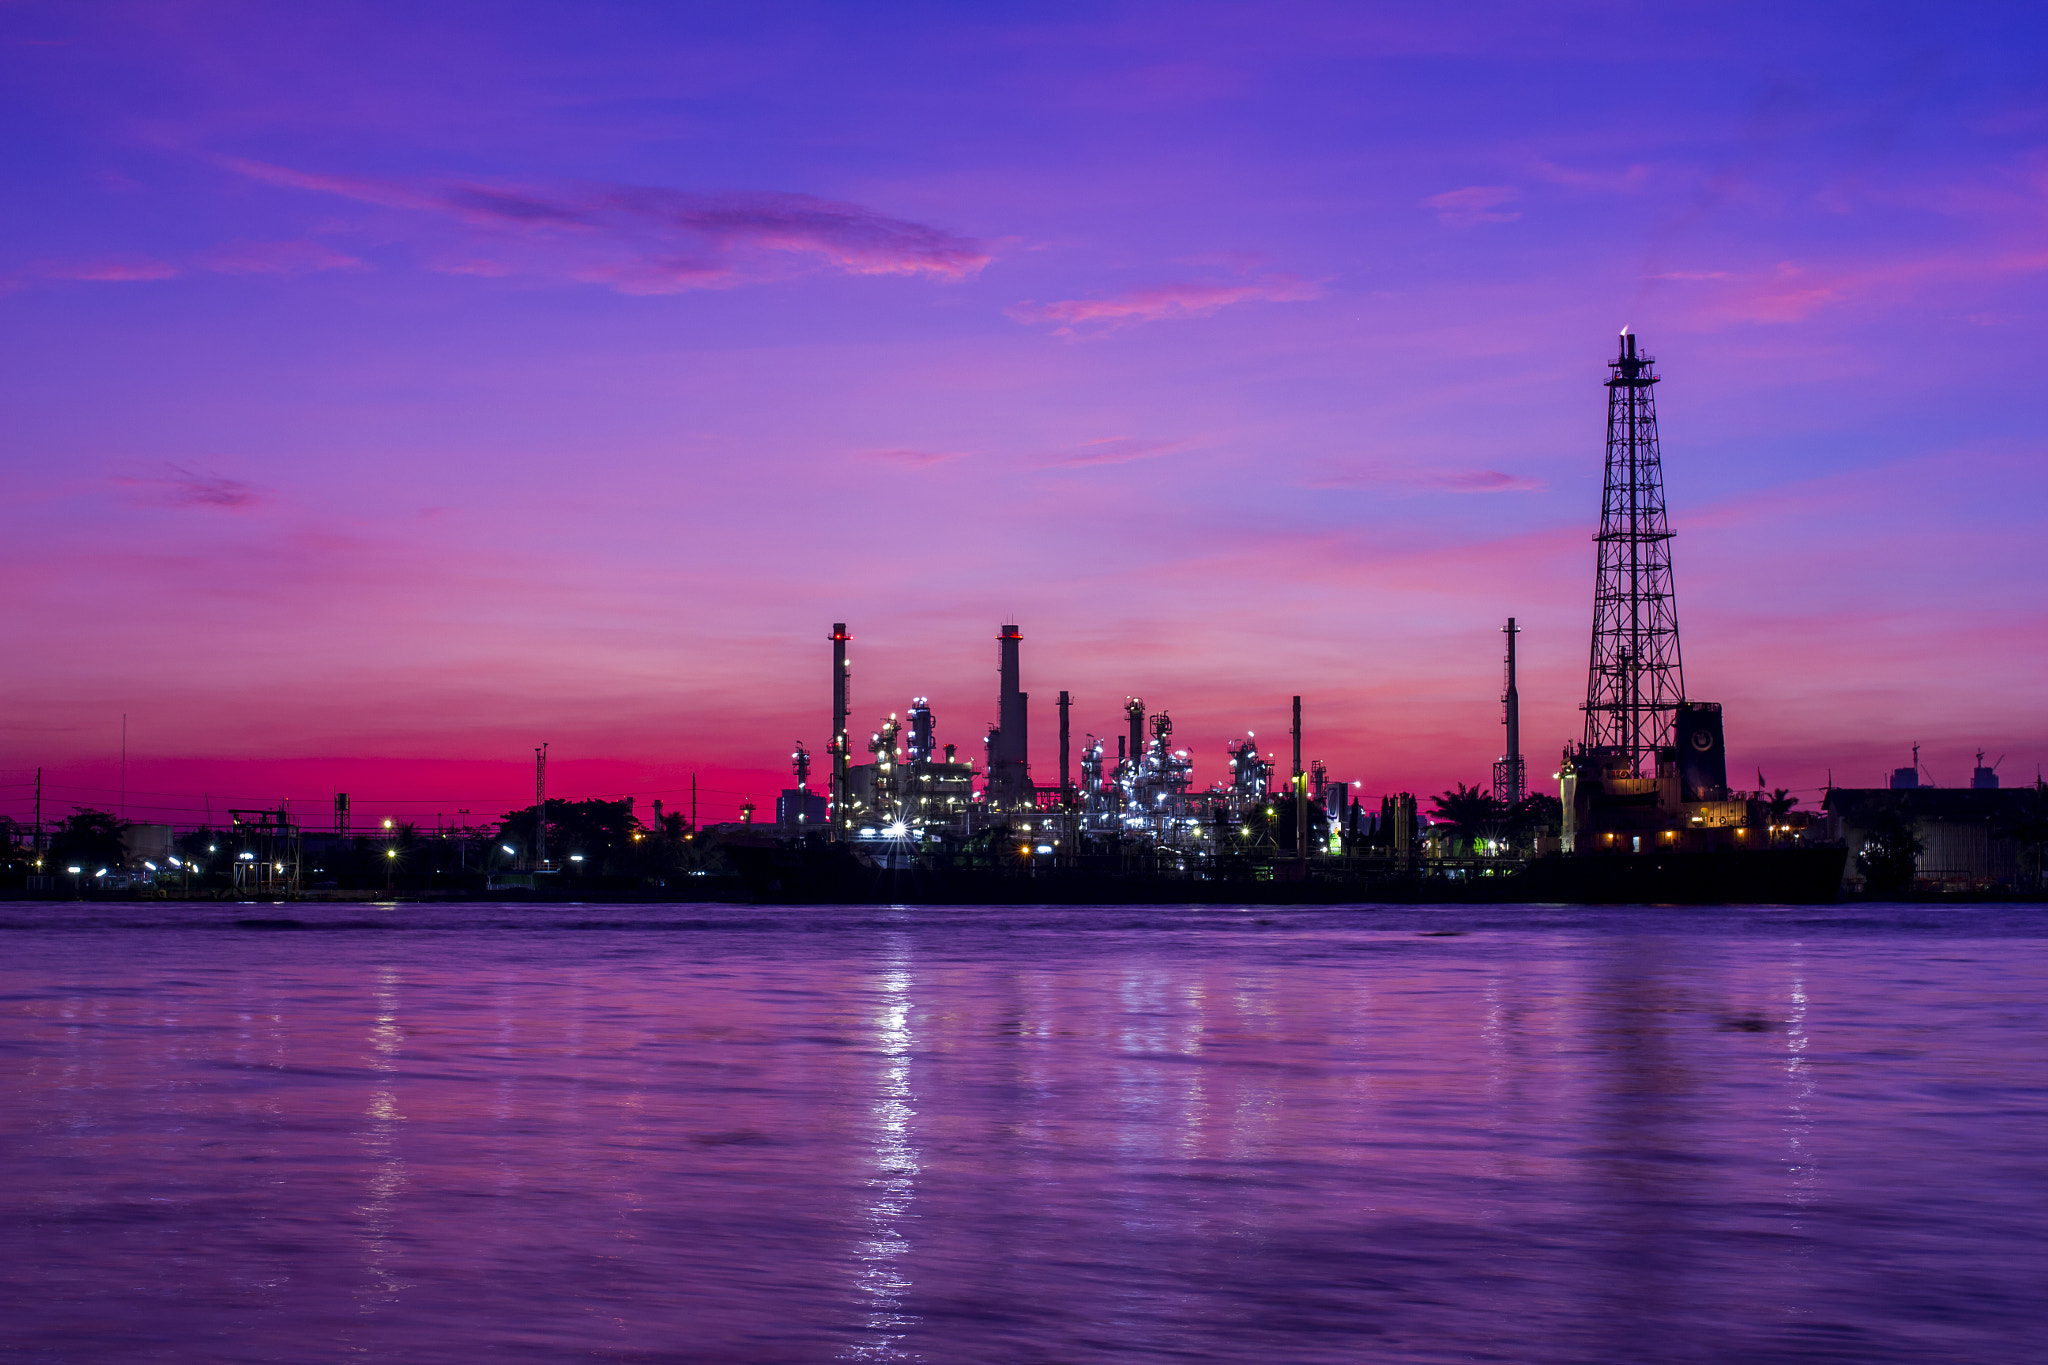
(1135, 710)
(1510, 773)
(1513, 699)
(841, 709)
(1300, 791)
(1066, 780)
(1013, 751)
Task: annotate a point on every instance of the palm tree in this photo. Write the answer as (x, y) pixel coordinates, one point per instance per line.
(1470, 812)
(1778, 809)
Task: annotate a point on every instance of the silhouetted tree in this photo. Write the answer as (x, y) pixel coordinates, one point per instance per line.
(607, 834)
(1778, 809)
(88, 838)
(1890, 854)
(1538, 813)
(1471, 812)
(2028, 824)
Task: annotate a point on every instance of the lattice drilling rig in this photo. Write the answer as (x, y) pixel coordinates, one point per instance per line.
(1650, 772)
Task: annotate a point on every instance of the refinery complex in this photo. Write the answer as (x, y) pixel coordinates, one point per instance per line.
(1642, 808)
(1648, 777)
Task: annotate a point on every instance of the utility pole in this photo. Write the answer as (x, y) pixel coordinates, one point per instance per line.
(39, 818)
(693, 803)
(540, 809)
(1300, 793)
(124, 766)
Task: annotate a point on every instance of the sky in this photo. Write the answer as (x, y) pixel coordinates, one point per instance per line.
(387, 389)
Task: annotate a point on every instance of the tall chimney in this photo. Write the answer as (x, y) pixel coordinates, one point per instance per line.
(1510, 774)
(841, 710)
(1013, 754)
(1134, 710)
(1300, 791)
(1066, 780)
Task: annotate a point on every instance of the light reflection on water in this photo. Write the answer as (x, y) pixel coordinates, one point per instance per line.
(695, 1133)
(883, 1253)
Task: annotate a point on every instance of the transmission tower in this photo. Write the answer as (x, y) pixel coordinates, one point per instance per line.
(1635, 680)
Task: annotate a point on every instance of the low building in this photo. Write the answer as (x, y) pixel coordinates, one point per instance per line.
(804, 808)
(1970, 838)
(150, 843)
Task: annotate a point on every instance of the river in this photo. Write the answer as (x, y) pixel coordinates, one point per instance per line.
(714, 1133)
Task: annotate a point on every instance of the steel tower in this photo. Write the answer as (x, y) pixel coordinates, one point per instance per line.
(1510, 773)
(1635, 680)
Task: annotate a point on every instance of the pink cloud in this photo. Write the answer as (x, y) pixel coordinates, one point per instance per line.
(180, 486)
(1434, 480)
(110, 269)
(1110, 450)
(1792, 291)
(1475, 204)
(641, 240)
(1631, 181)
(279, 258)
(914, 459)
(1193, 300)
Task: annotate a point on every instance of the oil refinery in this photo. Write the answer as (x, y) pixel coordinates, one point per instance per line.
(1643, 807)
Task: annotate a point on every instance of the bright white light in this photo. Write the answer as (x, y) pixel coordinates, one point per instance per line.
(148, 864)
(176, 863)
(74, 871)
(101, 873)
(897, 830)
(1045, 848)
(509, 849)
(575, 857)
(248, 857)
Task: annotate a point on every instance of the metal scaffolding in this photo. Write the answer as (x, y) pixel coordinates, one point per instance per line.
(1635, 680)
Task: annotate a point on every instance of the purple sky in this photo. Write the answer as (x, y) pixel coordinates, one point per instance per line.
(388, 388)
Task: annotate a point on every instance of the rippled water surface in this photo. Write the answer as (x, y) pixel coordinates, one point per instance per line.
(714, 1133)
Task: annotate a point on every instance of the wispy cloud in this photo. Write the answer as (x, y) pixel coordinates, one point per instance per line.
(1161, 302)
(1792, 291)
(279, 258)
(1475, 204)
(108, 269)
(1631, 181)
(914, 459)
(1109, 450)
(642, 240)
(181, 486)
(1404, 479)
